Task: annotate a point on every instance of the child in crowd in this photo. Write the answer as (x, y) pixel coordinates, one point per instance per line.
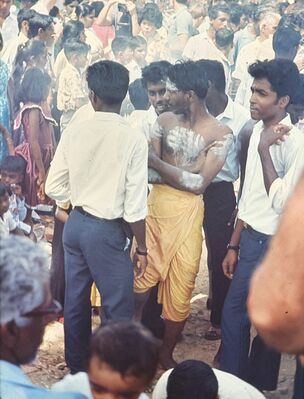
(122, 50)
(7, 223)
(139, 46)
(72, 93)
(122, 363)
(38, 147)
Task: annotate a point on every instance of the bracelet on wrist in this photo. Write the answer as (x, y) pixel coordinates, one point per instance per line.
(235, 248)
(142, 253)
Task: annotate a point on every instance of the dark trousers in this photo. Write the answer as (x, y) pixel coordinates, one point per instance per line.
(261, 367)
(94, 250)
(298, 389)
(219, 200)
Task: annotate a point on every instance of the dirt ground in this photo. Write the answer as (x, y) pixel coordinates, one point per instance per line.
(49, 366)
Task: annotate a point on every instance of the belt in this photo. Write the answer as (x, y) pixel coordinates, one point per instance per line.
(85, 213)
(248, 227)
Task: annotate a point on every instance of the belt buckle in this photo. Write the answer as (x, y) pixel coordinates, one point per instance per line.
(246, 225)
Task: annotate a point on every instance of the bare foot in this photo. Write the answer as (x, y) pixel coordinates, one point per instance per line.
(166, 360)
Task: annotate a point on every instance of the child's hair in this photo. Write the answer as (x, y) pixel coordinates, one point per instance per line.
(152, 14)
(72, 47)
(37, 22)
(128, 348)
(138, 95)
(3, 190)
(83, 10)
(35, 86)
(137, 41)
(54, 12)
(120, 44)
(13, 163)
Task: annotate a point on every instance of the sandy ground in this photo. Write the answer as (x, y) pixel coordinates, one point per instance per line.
(49, 366)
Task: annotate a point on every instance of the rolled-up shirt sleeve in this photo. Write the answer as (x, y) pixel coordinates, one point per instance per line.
(282, 188)
(135, 205)
(57, 184)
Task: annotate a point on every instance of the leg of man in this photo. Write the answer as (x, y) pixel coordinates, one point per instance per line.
(219, 200)
(77, 306)
(108, 259)
(235, 321)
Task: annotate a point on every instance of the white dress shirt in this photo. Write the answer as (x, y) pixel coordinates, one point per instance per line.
(148, 121)
(9, 29)
(10, 49)
(234, 116)
(101, 165)
(229, 387)
(259, 210)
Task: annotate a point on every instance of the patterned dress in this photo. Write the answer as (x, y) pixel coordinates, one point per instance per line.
(4, 107)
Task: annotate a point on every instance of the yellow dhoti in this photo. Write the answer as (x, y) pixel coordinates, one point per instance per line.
(174, 241)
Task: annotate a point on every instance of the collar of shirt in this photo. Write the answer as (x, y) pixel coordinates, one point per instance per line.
(108, 116)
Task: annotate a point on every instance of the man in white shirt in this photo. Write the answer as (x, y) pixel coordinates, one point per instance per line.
(8, 21)
(44, 6)
(101, 167)
(219, 197)
(203, 46)
(272, 172)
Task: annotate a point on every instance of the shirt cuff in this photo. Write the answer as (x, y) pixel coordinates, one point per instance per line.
(275, 186)
(135, 217)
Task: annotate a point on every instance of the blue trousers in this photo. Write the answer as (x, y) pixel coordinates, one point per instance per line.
(94, 250)
(258, 365)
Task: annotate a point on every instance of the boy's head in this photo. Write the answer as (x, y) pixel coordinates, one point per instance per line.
(41, 27)
(275, 83)
(76, 53)
(139, 47)
(150, 19)
(4, 199)
(123, 360)
(192, 379)
(138, 95)
(286, 42)
(296, 107)
(122, 50)
(154, 80)
(12, 170)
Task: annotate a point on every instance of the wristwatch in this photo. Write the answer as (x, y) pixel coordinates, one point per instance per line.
(233, 247)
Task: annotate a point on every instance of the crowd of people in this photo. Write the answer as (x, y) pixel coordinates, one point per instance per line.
(146, 127)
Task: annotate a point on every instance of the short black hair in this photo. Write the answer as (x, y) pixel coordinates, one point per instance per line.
(298, 98)
(250, 10)
(224, 37)
(13, 163)
(72, 47)
(120, 43)
(192, 379)
(128, 348)
(83, 10)
(109, 80)
(185, 2)
(138, 95)
(72, 30)
(282, 74)
(285, 40)
(214, 11)
(236, 12)
(151, 13)
(54, 12)
(188, 76)
(137, 41)
(155, 72)
(97, 6)
(214, 72)
(3, 190)
(38, 21)
(35, 86)
(24, 15)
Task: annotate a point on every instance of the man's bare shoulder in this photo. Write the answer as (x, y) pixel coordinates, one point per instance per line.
(218, 129)
(167, 119)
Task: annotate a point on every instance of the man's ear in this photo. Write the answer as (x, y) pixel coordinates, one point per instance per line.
(284, 101)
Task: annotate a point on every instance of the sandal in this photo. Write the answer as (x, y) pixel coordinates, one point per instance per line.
(213, 334)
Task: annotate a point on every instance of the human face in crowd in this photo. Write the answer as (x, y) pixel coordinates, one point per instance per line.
(264, 102)
(4, 204)
(147, 29)
(126, 56)
(12, 180)
(157, 97)
(5, 6)
(48, 36)
(81, 60)
(107, 383)
(268, 29)
(176, 101)
(87, 21)
(222, 21)
(296, 112)
(140, 54)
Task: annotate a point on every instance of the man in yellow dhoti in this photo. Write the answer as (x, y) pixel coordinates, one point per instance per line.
(188, 148)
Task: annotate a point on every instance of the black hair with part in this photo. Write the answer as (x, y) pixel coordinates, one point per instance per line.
(35, 86)
(282, 74)
(224, 38)
(192, 379)
(127, 348)
(3, 190)
(188, 76)
(13, 163)
(72, 47)
(285, 41)
(138, 95)
(214, 11)
(214, 72)
(119, 44)
(152, 14)
(109, 80)
(155, 72)
(24, 15)
(37, 22)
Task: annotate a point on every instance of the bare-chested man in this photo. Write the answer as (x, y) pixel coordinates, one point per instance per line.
(188, 148)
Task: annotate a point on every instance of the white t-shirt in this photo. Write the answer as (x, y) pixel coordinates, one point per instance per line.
(80, 383)
(7, 224)
(230, 387)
